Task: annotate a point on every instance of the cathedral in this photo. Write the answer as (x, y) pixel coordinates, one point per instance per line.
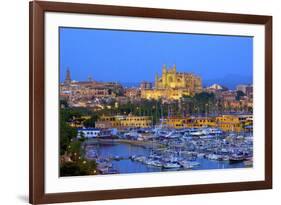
(173, 85)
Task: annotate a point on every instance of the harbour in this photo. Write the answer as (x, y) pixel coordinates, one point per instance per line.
(176, 150)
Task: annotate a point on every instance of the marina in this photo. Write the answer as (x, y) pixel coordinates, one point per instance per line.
(162, 149)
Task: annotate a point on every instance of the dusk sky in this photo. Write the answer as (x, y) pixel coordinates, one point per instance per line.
(131, 57)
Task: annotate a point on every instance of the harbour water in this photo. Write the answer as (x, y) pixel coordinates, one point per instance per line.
(124, 163)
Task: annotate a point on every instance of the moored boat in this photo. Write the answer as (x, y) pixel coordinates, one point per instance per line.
(171, 165)
(236, 159)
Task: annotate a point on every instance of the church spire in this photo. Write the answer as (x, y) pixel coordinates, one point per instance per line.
(68, 77)
(174, 68)
(164, 68)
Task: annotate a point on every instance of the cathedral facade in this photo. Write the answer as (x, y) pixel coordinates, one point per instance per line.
(173, 85)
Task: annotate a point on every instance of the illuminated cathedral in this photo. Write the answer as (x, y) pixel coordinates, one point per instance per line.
(173, 85)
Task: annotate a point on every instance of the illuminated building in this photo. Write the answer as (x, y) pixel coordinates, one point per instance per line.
(173, 85)
(124, 121)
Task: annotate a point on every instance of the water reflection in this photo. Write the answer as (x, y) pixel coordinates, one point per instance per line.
(125, 165)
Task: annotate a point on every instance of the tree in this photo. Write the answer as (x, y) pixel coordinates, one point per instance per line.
(239, 94)
(72, 147)
(67, 133)
(204, 101)
(70, 169)
(63, 103)
(80, 168)
(91, 122)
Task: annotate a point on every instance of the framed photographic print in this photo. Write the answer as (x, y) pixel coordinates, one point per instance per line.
(139, 102)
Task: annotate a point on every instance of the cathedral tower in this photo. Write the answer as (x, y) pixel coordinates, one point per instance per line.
(156, 81)
(164, 76)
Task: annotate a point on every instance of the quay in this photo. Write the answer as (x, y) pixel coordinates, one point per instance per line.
(145, 144)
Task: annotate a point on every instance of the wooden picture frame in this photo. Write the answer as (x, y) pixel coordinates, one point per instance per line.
(37, 11)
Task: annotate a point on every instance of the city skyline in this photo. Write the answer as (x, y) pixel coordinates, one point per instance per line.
(93, 52)
(169, 120)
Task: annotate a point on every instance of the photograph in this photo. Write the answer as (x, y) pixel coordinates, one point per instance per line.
(132, 102)
(147, 101)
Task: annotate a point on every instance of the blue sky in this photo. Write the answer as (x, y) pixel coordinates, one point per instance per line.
(131, 57)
